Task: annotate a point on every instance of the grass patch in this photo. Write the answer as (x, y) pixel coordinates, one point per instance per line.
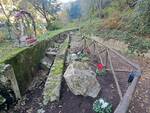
(8, 50)
(51, 34)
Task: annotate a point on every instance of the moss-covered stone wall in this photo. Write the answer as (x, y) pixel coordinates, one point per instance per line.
(25, 63)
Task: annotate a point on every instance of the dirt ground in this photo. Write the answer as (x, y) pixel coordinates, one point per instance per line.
(141, 100)
(69, 103)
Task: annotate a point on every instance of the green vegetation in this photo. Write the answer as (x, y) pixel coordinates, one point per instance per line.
(127, 21)
(100, 106)
(58, 69)
(135, 43)
(8, 51)
(50, 34)
(34, 20)
(2, 100)
(140, 19)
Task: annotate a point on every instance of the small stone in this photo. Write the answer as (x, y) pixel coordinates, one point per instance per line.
(60, 106)
(23, 103)
(142, 105)
(41, 110)
(30, 110)
(112, 86)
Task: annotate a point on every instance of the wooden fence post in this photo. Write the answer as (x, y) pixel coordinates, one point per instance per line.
(114, 75)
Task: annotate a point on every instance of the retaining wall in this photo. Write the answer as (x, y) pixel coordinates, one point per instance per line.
(25, 63)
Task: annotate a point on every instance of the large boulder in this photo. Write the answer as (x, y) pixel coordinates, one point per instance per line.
(82, 80)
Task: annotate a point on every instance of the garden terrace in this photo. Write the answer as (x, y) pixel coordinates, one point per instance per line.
(115, 88)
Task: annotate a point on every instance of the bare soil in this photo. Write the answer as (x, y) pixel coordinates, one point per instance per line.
(141, 100)
(69, 103)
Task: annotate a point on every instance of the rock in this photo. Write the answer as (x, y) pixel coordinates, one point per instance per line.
(41, 110)
(51, 91)
(8, 80)
(72, 57)
(53, 83)
(81, 80)
(46, 63)
(52, 52)
(30, 110)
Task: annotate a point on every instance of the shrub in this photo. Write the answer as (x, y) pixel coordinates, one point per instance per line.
(140, 18)
(112, 22)
(135, 43)
(91, 26)
(54, 26)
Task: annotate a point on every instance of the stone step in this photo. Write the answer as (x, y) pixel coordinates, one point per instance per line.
(51, 52)
(46, 63)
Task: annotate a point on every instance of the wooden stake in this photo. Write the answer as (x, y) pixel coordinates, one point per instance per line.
(99, 54)
(94, 47)
(114, 75)
(100, 59)
(106, 61)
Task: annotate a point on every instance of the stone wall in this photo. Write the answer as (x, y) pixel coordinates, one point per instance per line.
(25, 63)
